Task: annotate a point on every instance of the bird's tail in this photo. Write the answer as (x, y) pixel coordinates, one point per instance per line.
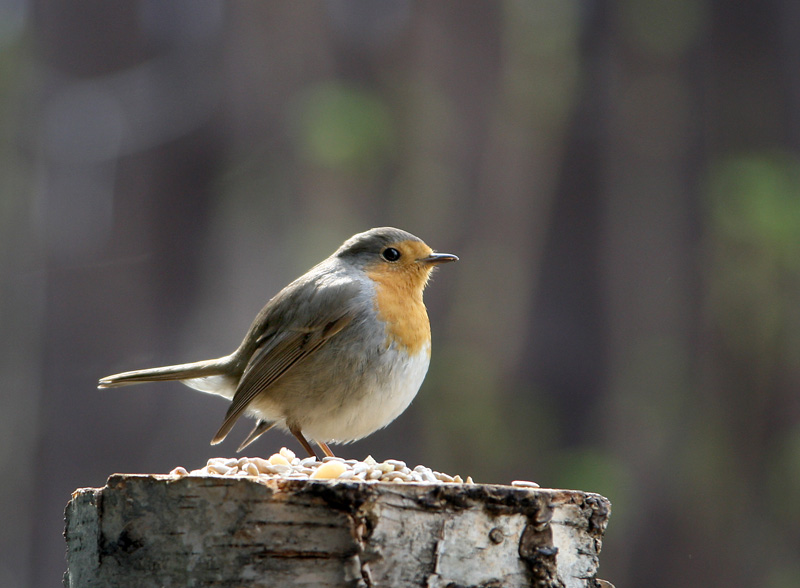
(184, 371)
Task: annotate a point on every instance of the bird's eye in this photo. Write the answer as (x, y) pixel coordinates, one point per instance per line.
(390, 254)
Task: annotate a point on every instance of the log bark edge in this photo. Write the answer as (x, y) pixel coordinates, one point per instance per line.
(154, 530)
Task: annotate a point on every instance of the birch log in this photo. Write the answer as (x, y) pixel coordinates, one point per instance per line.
(153, 530)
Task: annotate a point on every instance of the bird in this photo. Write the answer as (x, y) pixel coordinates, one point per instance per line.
(336, 355)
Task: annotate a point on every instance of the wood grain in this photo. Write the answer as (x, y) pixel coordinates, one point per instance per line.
(151, 530)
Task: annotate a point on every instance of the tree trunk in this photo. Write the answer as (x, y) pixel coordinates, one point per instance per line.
(154, 530)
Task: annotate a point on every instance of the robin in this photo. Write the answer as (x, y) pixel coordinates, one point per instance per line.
(336, 355)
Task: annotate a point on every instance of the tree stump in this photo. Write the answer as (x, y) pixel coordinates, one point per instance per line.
(155, 530)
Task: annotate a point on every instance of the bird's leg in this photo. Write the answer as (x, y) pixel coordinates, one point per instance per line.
(325, 448)
(306, 445)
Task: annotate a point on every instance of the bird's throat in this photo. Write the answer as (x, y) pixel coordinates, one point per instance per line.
(399, 305)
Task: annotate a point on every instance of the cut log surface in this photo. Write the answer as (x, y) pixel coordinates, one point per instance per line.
(223, 531)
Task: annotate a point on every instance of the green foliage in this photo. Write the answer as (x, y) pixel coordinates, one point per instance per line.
(755, 207)
(465, 407)
(754, 237)
(343, 127)
(595, 470)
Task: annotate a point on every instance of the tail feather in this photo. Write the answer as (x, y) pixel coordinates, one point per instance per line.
(185, 371)
(260, 428)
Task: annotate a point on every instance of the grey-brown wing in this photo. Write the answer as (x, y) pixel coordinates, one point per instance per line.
(276, 354)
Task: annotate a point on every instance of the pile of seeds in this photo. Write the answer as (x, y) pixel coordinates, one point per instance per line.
(286, 465)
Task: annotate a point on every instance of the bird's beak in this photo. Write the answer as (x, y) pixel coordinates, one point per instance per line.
(437, 258)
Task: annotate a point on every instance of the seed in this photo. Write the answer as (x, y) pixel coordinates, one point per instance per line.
(285, 464)
(218, 468)
(524, 484)
(278, 459)
(279, 468)
(329, 470)
(398, 465)
(401, 476)
(428, 476)
(262, 464)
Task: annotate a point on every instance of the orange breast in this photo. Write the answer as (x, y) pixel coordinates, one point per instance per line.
(399, 304)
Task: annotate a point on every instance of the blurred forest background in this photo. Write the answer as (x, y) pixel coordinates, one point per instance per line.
(621, 179)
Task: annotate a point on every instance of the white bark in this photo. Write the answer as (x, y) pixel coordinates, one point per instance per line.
(222, 531)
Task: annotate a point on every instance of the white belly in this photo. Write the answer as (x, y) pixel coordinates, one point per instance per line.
(388, 392)
(332, 411)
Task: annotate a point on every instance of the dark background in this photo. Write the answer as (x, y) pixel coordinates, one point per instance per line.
(620, 179)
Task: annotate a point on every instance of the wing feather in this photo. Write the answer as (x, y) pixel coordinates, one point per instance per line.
(276, 354)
